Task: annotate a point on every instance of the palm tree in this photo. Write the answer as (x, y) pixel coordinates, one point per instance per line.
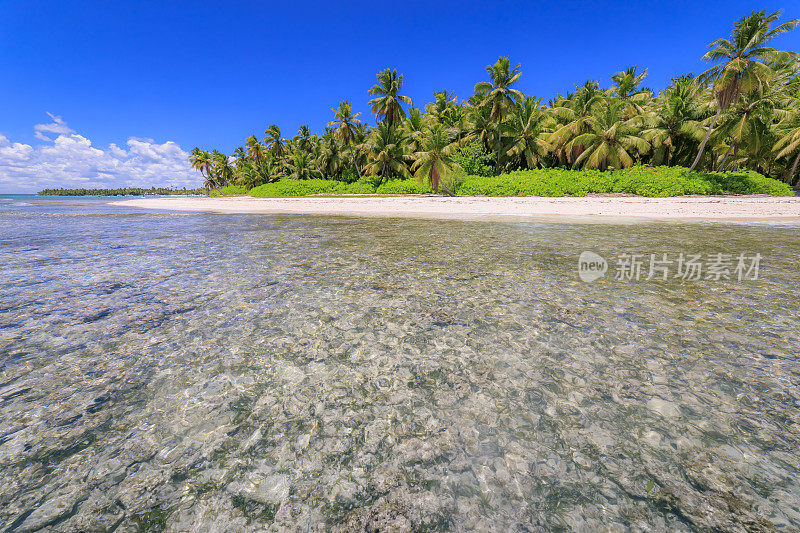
(742, 68)
(346, 124)
(414, 127)
(482, 127)
(255, 150)
(610, 140)
(789, 143)
(434, 160)
(388, 102)
(304, 138)
(275, 144)
(570, 113)
(444, 108)
(749, 119)
(526, 127)
(386, 148)
(673, 125)
(201, 160)
(300, 166)
(500, 95)
(331, 156)
(221, 168)
(627, 82)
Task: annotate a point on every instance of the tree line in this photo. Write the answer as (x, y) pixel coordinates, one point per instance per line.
(741, 113)
(124, 191)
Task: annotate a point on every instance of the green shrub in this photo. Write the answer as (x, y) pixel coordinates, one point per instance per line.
(233, 190)
(644, 181)
(214, 194)
(474, 160)
(290, 187)
(407, 186)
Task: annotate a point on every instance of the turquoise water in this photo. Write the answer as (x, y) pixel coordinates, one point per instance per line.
(237, 372)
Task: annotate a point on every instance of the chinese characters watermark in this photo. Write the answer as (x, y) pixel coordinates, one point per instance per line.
(743, 266)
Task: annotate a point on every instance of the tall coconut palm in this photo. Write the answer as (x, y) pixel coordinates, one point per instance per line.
(387, 150)
(304, 138)
(742, 67)
(346, 124)
(276, 145)
(388, 102)
(255, 150)
(610, 141)
(500, 95)
(434, 159)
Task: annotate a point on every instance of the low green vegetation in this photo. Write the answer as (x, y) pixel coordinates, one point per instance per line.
(291, 187)
(643, 181)
(734, 123)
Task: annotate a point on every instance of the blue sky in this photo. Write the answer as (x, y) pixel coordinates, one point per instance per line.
(178, 75)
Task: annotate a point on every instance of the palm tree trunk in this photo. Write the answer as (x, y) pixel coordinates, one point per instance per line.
(722, 165)
(705, 139)
(355, 164)
(446, 189)
(790, 177)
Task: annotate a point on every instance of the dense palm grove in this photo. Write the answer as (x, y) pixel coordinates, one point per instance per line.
(742, 113)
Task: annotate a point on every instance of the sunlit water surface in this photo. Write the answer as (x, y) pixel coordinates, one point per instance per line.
(223, 372)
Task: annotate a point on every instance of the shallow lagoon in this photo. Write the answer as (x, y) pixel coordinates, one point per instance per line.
(224, 372)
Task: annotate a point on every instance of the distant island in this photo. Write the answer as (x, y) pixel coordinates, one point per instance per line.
(126, 191)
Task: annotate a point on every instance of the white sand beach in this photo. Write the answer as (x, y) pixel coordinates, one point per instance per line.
(594, 207)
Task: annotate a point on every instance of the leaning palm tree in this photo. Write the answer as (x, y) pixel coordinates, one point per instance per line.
(610, 141)
(346, 124)
(201, 160)
(387, 152)
(499, 95)
(222, 168)
(434, 160)
(388, 102)
(742, 68)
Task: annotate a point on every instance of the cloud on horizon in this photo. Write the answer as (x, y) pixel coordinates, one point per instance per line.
(69, 160)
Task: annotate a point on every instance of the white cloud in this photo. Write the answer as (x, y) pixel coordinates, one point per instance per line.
(69, 160)
(57, 126)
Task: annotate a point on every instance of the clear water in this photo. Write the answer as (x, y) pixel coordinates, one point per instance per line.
(225, 372)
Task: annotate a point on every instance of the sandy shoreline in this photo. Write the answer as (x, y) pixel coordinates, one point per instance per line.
(589, 208)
